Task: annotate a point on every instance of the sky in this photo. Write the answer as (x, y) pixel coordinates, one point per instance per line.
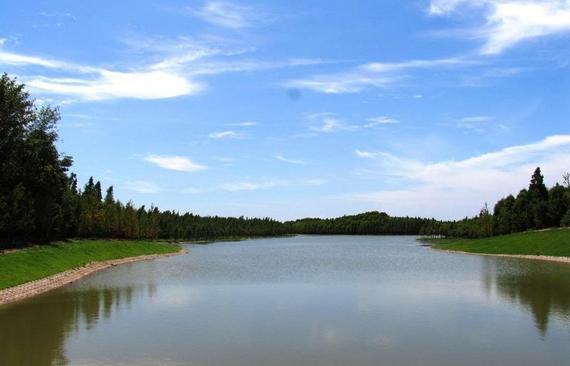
(290, 109)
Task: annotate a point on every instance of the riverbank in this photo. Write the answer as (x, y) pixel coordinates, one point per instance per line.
(31, 271)
(548, 245)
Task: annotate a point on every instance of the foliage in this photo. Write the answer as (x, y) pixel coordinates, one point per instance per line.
(534, 208)
(369, 223)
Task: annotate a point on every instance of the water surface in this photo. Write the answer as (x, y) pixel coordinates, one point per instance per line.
(306, 300)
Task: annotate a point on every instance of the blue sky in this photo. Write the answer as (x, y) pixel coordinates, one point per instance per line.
(302, 108)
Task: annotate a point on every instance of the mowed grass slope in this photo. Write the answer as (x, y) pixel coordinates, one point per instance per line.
(554, 242)
(37, 262)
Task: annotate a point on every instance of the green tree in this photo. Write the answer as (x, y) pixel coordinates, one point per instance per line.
(503, 216)
(558, 204)
(33, 175)
(539, 200)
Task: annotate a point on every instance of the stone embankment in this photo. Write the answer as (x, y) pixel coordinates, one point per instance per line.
(547, 258)
(40, 286)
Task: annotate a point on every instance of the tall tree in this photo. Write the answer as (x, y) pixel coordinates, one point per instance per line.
(539, 200)
(33, 175)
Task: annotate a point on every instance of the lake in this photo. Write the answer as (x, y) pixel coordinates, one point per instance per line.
(304, 300)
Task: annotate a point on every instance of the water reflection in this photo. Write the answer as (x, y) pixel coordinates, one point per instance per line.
(541, 288)
(41, 326)
(322, 301)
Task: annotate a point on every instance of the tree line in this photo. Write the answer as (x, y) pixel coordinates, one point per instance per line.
(534, 208)
(41, 200)
(368, 223)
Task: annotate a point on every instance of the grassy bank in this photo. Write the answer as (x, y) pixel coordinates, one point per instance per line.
(555, 242)
(33, 263)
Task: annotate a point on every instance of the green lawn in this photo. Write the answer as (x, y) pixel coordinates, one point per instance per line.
(555, 242)
(41, 261)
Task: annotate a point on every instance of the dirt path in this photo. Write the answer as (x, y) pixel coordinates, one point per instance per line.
(40, 286)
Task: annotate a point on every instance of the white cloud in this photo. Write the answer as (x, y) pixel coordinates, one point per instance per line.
(371, 75)
(225, 14)
(243, 124)
(249, 186)
(475, 119)
(265, 185)
(225, 135)
(94, 83)
(365, 154)
(15, 59)
(174, 75)
(114, 85)
(290, 161)
(509, 22)
(326, 122)
(178, 163)
(382, 120)
(141, 186)
(453, 189)
(479, 124)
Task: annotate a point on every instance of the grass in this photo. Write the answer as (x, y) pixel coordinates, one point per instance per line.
(37, 262)
(554, 242)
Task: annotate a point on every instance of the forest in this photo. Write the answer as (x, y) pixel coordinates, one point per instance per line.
(41, 199)
(535, 208)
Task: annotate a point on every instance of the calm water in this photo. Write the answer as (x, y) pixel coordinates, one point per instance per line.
(301, 301)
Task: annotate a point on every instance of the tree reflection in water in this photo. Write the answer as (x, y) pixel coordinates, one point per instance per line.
(542, 288)
(51, 318)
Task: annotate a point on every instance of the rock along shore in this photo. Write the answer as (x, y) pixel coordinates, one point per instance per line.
(40, 286)
(547, 258)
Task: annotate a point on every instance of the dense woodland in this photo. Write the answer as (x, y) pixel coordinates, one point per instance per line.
(534, 208)
(370, 223)
(41, 200)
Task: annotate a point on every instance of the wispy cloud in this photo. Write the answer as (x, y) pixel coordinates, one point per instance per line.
(175, 74)
(141, 186)
(16, 59)
(113, 85)
(94, 83)
(243, 124)
(225, 135)
(225, 14)
(509, 22)
(326, 122)
(178, 163)
(451, 189)
(382, 120)
(282, 158)
(479, 124)
(264, 185)
(249, 186)
(371, 75)
(475, 119)
(365, 154)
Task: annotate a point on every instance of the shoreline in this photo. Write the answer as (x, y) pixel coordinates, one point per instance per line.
(544, 258)
(33, 288)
